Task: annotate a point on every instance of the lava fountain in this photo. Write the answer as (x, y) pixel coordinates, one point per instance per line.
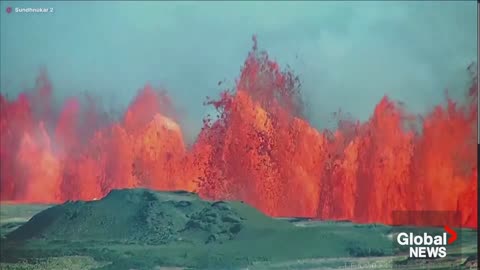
(260, 149)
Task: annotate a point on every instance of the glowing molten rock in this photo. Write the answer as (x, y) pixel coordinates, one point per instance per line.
(261, 149)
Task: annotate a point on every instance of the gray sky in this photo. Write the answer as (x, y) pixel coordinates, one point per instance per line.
(348, 54)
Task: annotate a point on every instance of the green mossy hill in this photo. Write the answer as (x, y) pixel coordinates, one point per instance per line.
(147, 217)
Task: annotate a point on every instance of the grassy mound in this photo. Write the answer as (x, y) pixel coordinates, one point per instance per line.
(143, 229)
(145, 216)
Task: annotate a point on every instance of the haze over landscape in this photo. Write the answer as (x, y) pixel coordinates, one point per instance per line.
(347, 54)
(399, 135)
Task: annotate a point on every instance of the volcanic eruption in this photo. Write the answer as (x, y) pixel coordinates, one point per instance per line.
(261, 149)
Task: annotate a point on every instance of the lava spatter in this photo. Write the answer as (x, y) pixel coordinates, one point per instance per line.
(261, 149)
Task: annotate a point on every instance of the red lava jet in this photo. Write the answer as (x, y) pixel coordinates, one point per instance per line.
(260, 150)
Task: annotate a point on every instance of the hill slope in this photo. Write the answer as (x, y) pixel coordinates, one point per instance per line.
(141, 229)
(144, 216)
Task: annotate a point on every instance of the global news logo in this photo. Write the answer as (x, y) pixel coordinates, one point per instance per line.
(426, 245)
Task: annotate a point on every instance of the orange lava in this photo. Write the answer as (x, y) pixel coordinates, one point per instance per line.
(260, 150)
